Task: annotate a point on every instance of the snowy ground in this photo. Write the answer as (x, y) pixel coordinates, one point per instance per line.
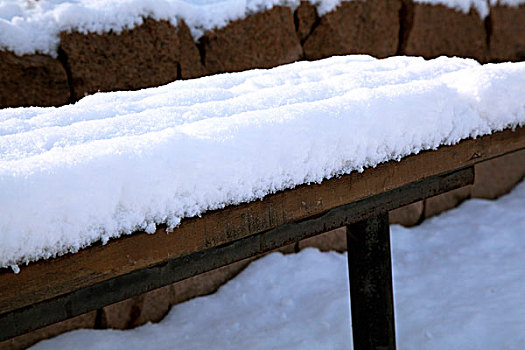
(459, 284)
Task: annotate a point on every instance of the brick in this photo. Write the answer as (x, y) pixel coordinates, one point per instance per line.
(446, 201)
(136, 311)
(151, 54)
(436, 30)
(356, 27)
(498, 176)
(507, 37)
(189, 57)
(409, 215)
(263, 40)
(305, 19)
(32, 80)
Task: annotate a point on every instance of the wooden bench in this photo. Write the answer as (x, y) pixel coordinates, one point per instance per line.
(53, 290)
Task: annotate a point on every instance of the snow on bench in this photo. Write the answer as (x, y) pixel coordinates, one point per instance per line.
(114, 163)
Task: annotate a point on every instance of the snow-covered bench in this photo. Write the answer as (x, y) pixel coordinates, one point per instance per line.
(249, 162)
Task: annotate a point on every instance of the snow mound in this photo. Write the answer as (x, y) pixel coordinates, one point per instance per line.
(118, 162)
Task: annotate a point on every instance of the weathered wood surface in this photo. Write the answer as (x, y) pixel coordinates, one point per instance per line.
(48, 279)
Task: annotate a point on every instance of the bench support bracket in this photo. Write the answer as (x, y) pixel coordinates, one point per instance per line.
(371, 296)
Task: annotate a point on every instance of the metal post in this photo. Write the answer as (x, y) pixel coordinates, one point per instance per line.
(371, 296)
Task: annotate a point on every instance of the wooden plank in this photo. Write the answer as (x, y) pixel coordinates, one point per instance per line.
(371, 291)
(48, 279)
(140, 281)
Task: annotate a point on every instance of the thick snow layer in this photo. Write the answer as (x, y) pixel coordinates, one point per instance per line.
(116, 162)
(458, 284)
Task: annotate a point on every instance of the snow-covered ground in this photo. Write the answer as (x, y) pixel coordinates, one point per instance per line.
(459, 283)
(31, 26)
(118, 162)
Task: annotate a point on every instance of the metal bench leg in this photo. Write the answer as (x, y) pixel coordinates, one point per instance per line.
(371, 296)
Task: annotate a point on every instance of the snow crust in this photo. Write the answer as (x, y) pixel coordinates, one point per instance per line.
(118, 162)
(30, 26)
(458, 284)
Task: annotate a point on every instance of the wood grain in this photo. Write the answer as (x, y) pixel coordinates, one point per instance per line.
(47, 279)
